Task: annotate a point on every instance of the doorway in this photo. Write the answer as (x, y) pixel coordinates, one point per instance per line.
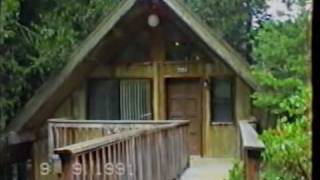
(184, 102)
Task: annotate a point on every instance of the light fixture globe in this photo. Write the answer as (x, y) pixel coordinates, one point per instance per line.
(153, 20)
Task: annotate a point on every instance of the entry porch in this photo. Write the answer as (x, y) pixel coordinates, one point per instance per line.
(138, 150)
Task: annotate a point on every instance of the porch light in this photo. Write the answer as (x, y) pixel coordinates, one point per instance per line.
(205, 83)
(153, 20)
(177, 43)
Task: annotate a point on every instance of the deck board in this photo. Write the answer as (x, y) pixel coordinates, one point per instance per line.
(207, 168)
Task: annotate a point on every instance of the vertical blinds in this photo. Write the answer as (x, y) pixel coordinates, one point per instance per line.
(128, 99)
(135, 99)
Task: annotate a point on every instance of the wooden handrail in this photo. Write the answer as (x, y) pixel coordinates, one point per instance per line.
(251, 149)
(103, 141)
(98, 122)
(62, 132)
(156, 152)
(249, 137)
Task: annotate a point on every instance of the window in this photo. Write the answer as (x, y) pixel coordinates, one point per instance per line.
(127, 99)
(103, 100)
(221, 100)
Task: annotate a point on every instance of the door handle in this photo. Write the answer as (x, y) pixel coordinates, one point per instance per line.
(192, 133)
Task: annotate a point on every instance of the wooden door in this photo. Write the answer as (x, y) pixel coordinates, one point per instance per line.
(184, 102)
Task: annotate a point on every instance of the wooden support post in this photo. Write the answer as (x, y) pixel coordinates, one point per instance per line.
(251, 149)
(156, 99)
(67, 172)
(157, 56)
(252, 164)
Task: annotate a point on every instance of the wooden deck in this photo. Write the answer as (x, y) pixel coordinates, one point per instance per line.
(207, 168)
(147, 149)
(114, 150)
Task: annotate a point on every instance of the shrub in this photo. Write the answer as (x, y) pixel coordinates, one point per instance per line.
(237, 171)
(288, 151)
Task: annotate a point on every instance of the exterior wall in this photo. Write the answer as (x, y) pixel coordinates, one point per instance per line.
(73, 107)
(243, 103)
(218, 140)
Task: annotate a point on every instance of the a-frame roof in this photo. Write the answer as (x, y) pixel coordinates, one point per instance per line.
(47, 96)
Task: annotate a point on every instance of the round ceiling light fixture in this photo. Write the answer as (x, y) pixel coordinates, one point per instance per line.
(153, 20)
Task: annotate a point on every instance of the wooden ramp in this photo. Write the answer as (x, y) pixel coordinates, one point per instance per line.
(114, 150)
(207, 168)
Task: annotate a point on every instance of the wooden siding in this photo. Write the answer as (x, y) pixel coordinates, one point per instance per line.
(223, 141)
(243, 102)
(74, 106)
(217, 140)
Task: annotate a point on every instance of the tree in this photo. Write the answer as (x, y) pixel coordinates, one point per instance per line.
(282, 53)
(233, 18)
(282, 68)
(34, 47)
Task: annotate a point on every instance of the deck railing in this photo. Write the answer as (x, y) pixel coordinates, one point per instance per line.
(147, 150)
(66, 132)
(251, 149)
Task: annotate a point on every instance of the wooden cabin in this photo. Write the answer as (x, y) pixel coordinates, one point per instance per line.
(148, 60)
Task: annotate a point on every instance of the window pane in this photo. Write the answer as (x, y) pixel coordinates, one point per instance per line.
(120, 99)
(222, 101)
(104, 100)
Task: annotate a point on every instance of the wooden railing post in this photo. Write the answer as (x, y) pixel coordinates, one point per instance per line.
(251, 149)
(252, 164)
(67, 165)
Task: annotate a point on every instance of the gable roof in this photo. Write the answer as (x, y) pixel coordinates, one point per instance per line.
(47, 95)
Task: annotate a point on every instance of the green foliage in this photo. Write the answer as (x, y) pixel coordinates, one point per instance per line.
(237, 171)
(282, 69)
(8, 14)
(282, 53)
(235, 29)
(288, 151)
(30, 54)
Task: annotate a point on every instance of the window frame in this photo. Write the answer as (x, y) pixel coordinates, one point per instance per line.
(119, 79)
(231, 79)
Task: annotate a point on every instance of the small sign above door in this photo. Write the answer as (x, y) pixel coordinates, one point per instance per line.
(182, 69)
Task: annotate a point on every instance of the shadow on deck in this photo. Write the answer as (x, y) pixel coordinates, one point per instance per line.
(207, 168)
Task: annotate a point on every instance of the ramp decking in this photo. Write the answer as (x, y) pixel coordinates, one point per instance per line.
(207, 168)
